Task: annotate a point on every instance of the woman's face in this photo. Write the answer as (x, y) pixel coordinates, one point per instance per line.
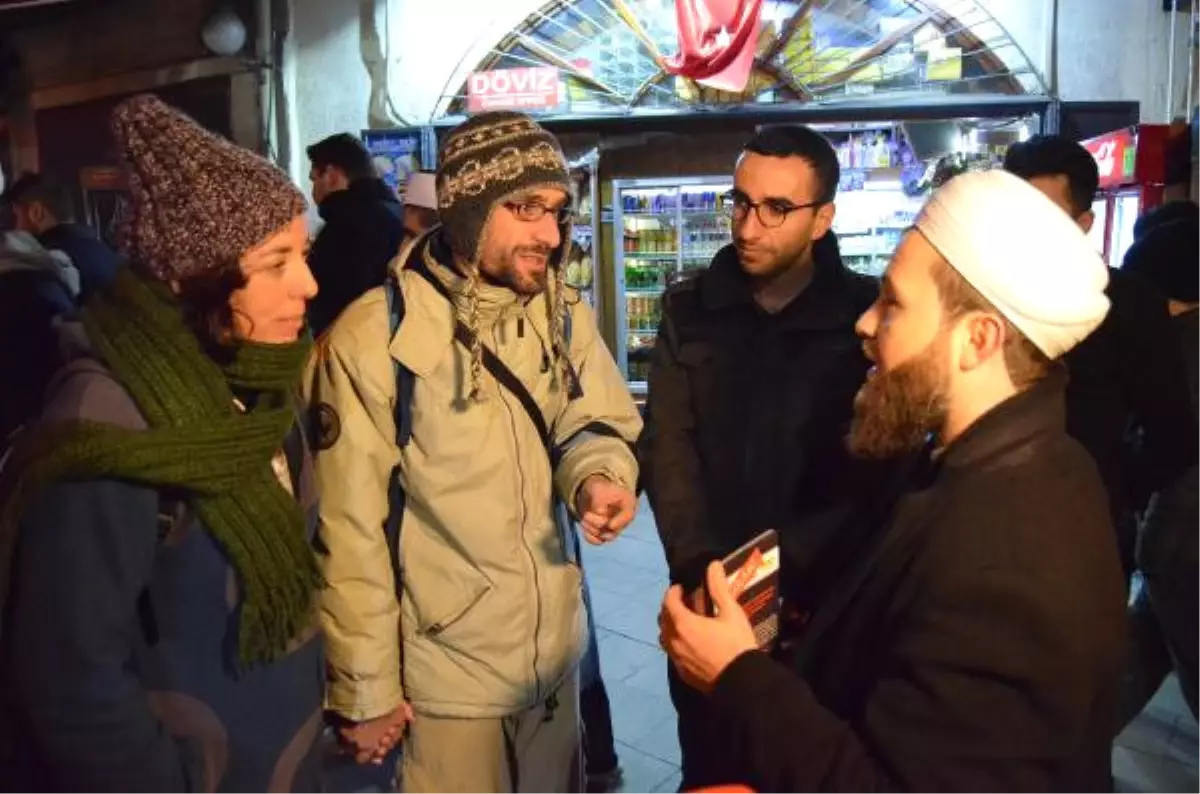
(270, 308)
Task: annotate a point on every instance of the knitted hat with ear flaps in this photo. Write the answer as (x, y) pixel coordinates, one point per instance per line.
(486, 159)
(199, 201)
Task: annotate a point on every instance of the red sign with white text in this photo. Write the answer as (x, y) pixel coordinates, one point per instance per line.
(1116, 156)
(534, 88)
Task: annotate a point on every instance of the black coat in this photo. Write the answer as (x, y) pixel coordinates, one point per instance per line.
(364, 227)
(30, 302)
(978, 646)
(1125, 376)
(748, 412)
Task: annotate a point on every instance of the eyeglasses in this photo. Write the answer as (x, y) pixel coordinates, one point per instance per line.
(771, 213)
(533, 211)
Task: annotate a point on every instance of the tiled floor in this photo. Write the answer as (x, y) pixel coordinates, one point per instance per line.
(627, 580)
(1157, 752)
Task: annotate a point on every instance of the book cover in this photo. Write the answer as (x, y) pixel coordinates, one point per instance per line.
(753, 575)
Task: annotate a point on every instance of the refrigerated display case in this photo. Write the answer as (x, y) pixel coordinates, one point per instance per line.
(1100, 224)
(1126, 209)
(871, 218)
(1133, 167)
(662, 228)
(585, 230)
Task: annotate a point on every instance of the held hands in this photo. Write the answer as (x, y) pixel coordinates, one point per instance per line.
(604, 508)
(371, 740)
(701, 647)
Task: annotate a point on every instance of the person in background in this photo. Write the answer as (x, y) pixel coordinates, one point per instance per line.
(978, 643)
(420, 205)
(465, 623)
(752, 383)
(1165, 614)
(364, 226)
(160, 629)
(34, 295)
(44, 209)
(1125, 374)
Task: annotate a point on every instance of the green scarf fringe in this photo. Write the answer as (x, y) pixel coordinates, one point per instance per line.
(197, 442)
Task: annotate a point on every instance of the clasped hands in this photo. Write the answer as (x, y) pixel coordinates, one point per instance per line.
(371, 740)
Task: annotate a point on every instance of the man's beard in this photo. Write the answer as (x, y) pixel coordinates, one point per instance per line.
(894, 412)
(527, 284)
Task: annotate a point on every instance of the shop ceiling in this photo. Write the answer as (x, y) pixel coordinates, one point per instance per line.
(820, 53)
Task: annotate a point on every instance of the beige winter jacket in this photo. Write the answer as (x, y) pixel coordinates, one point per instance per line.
(490, 616)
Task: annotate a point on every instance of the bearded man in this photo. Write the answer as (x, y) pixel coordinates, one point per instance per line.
(456, 408)
(978, 643)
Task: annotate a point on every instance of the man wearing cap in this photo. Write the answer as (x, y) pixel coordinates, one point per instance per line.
(420, 205)
(477, 645)
(363, 226)
(978, 644)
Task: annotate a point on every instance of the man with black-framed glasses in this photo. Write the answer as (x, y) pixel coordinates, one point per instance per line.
(751, 395)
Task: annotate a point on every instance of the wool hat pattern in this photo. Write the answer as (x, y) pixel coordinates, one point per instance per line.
(199, 201)
(487, 159)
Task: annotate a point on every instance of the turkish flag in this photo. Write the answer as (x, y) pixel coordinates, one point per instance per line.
(717, 40)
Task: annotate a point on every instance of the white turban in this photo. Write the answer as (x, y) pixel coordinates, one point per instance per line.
(1019, 250)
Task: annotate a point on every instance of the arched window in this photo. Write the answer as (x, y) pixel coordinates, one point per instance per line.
(608, 55)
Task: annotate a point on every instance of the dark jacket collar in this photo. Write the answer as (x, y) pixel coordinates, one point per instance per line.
(1039, 410)
(835, 297)
(360, 193)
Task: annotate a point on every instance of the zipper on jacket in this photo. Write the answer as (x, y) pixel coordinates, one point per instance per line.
(537, 587)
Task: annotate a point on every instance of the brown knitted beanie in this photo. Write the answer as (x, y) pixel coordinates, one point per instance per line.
(485, 160)
(199, 201)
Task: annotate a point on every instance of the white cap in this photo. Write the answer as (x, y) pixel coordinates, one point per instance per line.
(1022, 253)
(421, 190)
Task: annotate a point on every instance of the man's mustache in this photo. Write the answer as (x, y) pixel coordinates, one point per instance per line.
(543, 251)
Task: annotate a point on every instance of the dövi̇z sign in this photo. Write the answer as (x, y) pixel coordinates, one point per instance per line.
(533, 88)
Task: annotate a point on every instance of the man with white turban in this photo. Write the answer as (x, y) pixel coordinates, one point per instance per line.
(979, 641)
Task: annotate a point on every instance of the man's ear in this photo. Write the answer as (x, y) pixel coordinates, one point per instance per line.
(1086, 220)
(824, 219)
(983, 339)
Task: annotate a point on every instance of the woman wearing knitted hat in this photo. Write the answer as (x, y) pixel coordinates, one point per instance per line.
(155, 538)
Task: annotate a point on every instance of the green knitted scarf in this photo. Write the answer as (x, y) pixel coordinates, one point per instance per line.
(197, 442)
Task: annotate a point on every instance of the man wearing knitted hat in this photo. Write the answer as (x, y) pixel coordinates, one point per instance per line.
(493, 397)
(160, 629)
(979, 642)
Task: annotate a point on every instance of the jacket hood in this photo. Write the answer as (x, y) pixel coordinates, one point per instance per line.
(21, 251)
(360, 194)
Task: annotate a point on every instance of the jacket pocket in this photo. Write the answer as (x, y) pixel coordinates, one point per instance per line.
(459, 588)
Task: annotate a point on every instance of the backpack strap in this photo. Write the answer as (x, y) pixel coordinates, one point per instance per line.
(405, 380)
(402, 412)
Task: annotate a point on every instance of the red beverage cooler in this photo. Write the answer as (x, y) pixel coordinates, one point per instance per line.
(1133, 167)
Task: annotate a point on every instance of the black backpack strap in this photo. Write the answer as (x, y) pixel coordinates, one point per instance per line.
(405, 380)
(402, 411)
